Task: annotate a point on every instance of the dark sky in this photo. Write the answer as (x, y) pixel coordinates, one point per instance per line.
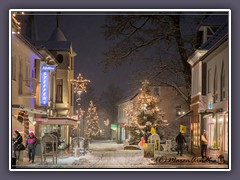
(87, 37)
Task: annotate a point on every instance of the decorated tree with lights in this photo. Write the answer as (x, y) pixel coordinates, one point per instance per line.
(144, 115)
(92, 119)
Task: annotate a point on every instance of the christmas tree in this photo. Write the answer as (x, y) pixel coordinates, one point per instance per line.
(92, 119)
(145, 114)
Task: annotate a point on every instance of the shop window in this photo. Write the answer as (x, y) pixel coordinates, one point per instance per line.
(196, 132)
(226, 133)
(59, 93)
(220, 132)
(212, 132)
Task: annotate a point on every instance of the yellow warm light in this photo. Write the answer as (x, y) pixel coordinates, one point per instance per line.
(22, 13)
(18, 32)
(14, 15)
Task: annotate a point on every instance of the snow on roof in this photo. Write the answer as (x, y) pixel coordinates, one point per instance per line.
(220, 33)
(57, 35)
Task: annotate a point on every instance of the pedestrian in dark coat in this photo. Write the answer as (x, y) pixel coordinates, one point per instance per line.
(204, 144)
(31, 144)
(180, 139)
(17, 140)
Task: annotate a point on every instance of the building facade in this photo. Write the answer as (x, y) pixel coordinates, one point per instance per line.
(209, 96)
(170, 102)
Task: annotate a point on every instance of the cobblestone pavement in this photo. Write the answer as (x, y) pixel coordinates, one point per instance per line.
(111, 155)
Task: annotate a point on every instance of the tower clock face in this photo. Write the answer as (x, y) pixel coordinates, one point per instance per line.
(60, 58)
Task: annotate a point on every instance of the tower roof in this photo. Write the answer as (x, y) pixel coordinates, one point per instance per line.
(57, 35)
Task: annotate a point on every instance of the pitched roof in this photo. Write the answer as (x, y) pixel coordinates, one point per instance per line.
(57, 35)
(220, 33)
(55, 45)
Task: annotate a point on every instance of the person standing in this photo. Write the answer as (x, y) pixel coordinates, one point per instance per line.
(31, 144)
(17, 140)
(204, 143)
(180, 139)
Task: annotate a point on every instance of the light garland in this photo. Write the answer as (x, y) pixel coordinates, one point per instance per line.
(16, 28)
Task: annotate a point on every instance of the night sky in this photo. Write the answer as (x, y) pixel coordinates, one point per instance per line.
(88, 41)
(86, 34)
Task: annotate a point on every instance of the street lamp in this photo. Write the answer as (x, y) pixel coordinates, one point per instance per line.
(79, 86)
(80, 113)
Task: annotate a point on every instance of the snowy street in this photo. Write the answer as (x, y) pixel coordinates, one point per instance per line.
(106, 154)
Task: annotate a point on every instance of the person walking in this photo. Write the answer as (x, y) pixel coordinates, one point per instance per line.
(17, 141)
(204, 143)
(31, 144)
(180, 139)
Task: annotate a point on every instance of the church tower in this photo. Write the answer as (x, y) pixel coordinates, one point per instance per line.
(61, 48)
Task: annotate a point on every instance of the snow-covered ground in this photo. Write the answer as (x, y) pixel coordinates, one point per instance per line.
(106, 154)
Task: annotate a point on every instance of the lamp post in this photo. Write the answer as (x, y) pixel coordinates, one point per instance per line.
(79, 86)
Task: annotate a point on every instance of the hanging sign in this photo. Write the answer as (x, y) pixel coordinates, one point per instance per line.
(44, 87)
(183, 129)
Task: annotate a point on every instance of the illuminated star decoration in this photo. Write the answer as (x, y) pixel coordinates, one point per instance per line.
(79, 84)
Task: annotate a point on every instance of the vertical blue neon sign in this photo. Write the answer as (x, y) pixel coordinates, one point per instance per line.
(44, 87)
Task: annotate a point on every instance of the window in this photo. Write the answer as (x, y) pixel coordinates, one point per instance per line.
(215, 95)
(226, 133)
(211, 132)
(196, 131)
(220, 132)
(156, 91)
(209, 80)
(60, 58)
(13, 68)
(27, 75)
(20, 77)
(178, 110)
(222, 89)
(59, 94)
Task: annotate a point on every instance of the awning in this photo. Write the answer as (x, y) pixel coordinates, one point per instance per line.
(187, 113)
(28, 109)
(57, 121)
(211, 111)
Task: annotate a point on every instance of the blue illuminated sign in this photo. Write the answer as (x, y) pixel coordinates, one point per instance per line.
(44, 87)
(48, 68)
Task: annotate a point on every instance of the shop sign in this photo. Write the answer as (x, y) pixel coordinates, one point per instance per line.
(114, 127)
(44, 87)
(48, 68)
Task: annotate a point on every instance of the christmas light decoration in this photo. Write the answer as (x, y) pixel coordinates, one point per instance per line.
(144, 114)
(16, 28)
(92, 119)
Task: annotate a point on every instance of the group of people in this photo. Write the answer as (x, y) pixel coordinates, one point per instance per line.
(180, 140)
(30, 145)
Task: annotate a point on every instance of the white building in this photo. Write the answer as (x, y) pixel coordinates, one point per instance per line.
(209, 96)
(171, 103)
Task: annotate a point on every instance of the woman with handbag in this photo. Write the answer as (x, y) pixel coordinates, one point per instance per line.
(17, 141)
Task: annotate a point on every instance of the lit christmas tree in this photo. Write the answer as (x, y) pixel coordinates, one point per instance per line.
(92, 119)
(144, 115)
